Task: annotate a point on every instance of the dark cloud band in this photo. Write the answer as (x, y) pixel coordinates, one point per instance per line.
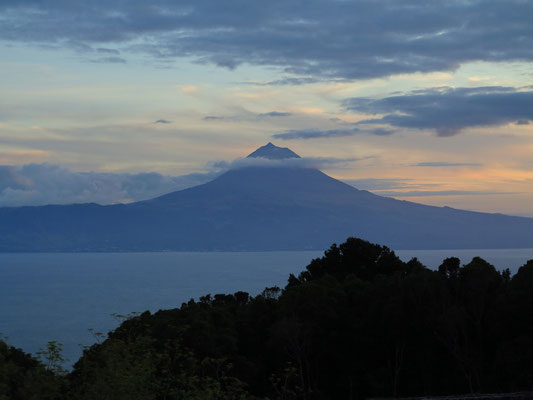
(326, 38)
(447, 110)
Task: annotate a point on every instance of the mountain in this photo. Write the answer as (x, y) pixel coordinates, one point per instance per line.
(272, 152)
(257, 208)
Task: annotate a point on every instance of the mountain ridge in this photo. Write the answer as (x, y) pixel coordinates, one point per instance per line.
(257, 208)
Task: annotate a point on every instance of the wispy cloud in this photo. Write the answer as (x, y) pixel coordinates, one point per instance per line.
(189, 89)
(163, 121)
(104, 50)
(411, 188)
(447, 110)
(291, 81)
(446, 164)
(383, 184)
(275, 114)
(109, 60)
(317, 133)
(438, 193)
(245, 115)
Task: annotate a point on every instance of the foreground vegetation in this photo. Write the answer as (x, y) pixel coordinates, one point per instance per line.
(356, 323)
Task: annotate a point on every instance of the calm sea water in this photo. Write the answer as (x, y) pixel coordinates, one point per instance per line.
(59, 296)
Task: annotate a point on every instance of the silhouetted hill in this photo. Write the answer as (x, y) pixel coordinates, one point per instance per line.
(257, 208)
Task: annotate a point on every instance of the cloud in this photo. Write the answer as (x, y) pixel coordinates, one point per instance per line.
(446, 164)
(189, 89)
(289, 81)
(379, 131)
(317, 133)
(303, 162)
(383, 186)
(162, 121)
(245, 115)
(220, 165)
(275, 114)
(39, 184)
(327, 39)
(410, 188)
(430, 193)
(379, 183)
(109, 60)
(447, 110)
(108, 51)
(213, 118)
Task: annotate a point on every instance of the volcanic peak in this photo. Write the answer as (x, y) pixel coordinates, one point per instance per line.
(273, 152)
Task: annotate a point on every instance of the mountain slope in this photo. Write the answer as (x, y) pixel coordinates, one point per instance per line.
(257, 208)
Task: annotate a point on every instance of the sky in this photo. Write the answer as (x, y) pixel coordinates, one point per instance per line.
(116, 101)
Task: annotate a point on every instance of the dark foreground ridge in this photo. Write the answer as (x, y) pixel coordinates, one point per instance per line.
(269, 204)
(357, 323)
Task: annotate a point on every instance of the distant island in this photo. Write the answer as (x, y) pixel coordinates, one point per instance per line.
(272, 200)
(357, 323)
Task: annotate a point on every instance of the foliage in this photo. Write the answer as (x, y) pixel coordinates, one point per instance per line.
(52, 357)
(22, 377)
